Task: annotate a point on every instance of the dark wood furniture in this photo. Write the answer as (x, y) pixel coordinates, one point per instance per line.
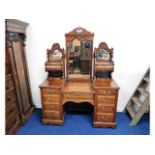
(98, 89)
(19, 105)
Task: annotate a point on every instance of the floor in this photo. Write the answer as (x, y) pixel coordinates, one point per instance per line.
(81, 124)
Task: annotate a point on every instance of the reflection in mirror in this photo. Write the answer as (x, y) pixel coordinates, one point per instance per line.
(102, 54)
(56, 55)
(79, 56)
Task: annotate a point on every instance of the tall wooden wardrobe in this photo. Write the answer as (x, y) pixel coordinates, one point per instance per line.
(19, 104)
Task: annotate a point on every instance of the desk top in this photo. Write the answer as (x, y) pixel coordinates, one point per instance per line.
(84, 86)
(52, 83)
(105, 83)
(78, 86)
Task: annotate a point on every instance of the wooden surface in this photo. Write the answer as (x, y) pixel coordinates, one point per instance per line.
(78, 86)
(102, 94)
(78, 92)
(105, 83)
(14, 25)
(19, 105)
(52, 83)
(106, 95)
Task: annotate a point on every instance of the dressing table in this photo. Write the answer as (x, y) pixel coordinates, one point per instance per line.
(79, 74)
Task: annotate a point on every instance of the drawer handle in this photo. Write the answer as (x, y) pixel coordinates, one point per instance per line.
(105, 118)
(50, 98)
(53, 107)
(106, 100)
(107, 92)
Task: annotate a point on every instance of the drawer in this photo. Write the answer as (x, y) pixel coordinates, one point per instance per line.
(11, 108)
(107, 92)
(49, 106)
(51, 98)
(49, 114)
(9, 83)
(105, 100)
(105, 117)
(105, 109)
(12, 121)
(50, 91)
(78, 96)
(10, 95)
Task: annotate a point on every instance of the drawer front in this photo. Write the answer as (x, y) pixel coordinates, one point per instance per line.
(11, 108)
(50, 91)
(105, 117)
(105, 100)
(107, 92)
(78, 96)
(51, 98)
(10, 96)
(49, 106)
(48, 114)
(12, 121)
(105, 109)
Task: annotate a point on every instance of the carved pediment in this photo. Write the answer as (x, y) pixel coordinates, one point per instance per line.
(79, 31)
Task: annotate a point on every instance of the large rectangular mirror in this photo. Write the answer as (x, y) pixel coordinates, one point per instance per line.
(79, 53)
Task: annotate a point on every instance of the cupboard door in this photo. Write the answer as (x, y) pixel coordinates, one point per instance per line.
(20, 71)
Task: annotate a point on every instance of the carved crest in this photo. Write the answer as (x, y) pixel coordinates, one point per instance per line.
(79, 31)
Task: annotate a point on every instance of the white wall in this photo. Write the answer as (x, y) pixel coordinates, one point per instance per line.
(124, 25)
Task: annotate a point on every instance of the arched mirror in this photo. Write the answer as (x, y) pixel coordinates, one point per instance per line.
(103, 64)
(56, 55)
(55, 61)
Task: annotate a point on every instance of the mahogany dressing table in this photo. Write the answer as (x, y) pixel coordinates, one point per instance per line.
(85, 77)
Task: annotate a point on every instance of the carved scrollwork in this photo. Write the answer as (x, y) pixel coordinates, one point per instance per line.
(14, 37)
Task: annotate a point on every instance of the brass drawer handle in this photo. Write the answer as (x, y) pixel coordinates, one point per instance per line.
(105, 118)
(103, 108)
(52, 107)
(49, 98)
(106, 100)
(107, 92)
